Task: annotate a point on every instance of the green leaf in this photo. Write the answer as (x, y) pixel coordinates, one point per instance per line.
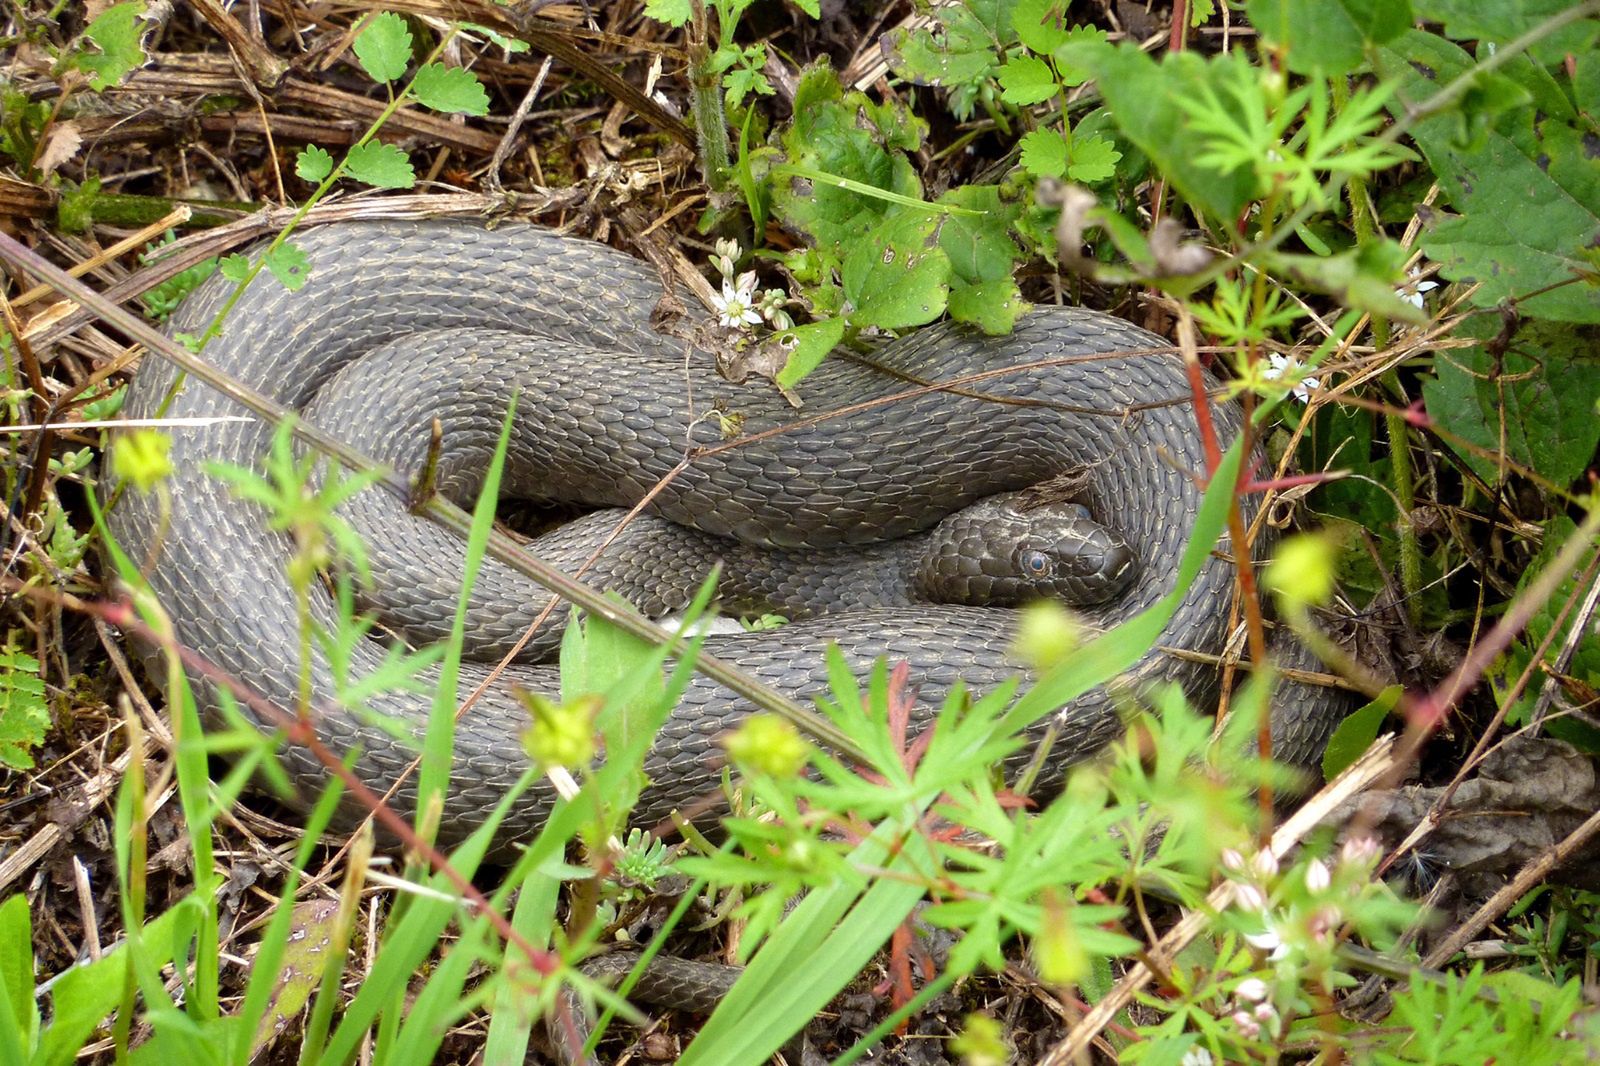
(313, 164)
(382, 165)
(1501, 21)
(1093, 159)
(1538, 398)
(289, 265)
(116, 33)
(450, 89)
(1147, 101)
(1038, 24)
(807, 345)
(1044, 153)
(1526, 184)
(810, 7)
(899, 279)
(1355, 734)
(384, 47)
(960, 51)
(992, 306)
(980, 246)
(746, 77)
(24, 715)
(19, 1011)
(235, 267)
(849, 137)
(672, 12)
(1027, 80)
(1330, 35)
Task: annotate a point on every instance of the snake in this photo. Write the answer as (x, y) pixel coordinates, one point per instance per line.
(404, 322)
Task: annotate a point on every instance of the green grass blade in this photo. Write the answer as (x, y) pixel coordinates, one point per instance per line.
(438, 745)
(19, 1013)
(1120, 649)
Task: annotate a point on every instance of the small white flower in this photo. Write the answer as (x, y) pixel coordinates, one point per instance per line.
(1196, 1056)
(1281, 366)
(1250, 897)
(1233, 860)
(1317, 876)
(1265, 864)
(1249, 1028)
(735, 306)
(1412, 291)
(1266, 1013)
(1253, 989)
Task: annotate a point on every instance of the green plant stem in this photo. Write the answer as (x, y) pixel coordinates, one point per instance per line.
(705, 104)
(1361, 215)
(791, 170)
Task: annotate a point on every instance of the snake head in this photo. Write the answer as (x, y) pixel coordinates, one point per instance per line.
(996, 554)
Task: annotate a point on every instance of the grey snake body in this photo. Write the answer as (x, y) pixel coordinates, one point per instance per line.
(406, 321)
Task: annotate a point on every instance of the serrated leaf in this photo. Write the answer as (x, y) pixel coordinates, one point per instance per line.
(1038, 24)
(959, 52)
(1069, 74)
(384, 47)
(24, 715)
(379, 164)
(115, 31)
(1330, 35)
(899, 279)
(1526, 184)
(450, 89)
(807, 345)
(289, 265)
(1538, 399)
(992, 306)
(1026, 80)
(844, 135)
(1093, 159)
(742, 81)
(1043, 153)
(313, 164)
(980, 246)
(235, 267)
(672, 12)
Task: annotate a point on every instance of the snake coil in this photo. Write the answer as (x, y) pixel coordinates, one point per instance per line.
(416, 320)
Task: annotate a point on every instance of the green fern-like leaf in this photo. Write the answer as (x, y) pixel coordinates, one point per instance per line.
(24, 717)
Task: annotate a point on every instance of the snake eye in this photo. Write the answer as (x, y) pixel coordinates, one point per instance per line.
(1036, 563)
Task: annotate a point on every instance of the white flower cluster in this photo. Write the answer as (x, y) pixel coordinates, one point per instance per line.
(737, 306)
(1285, 932)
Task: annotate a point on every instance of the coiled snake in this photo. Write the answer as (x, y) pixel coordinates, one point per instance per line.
(402, 322)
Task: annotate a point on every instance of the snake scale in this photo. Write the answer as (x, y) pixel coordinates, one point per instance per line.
(417, 320)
